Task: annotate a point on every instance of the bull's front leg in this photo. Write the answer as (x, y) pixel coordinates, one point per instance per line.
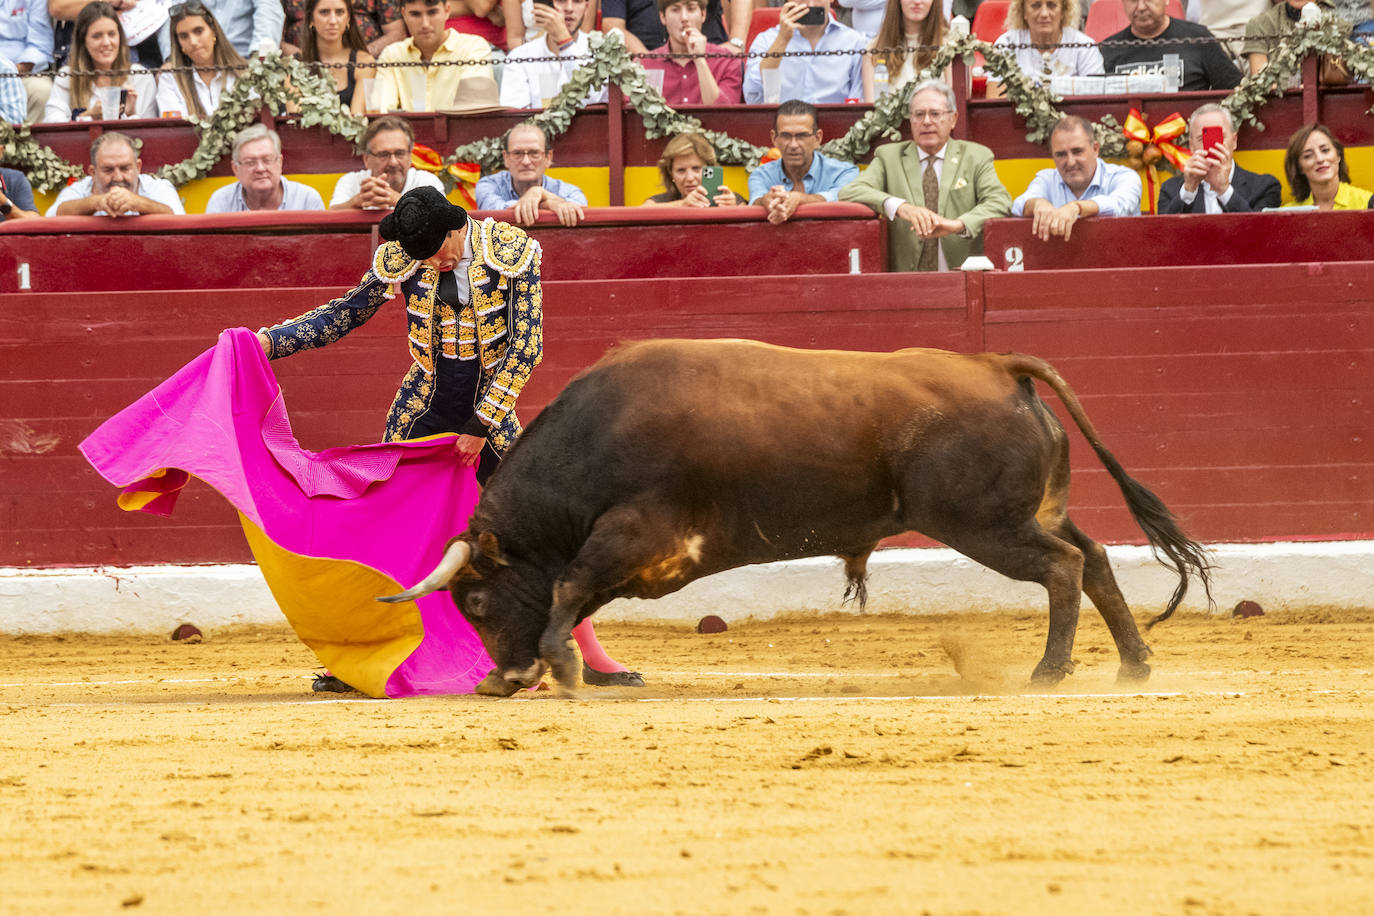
(555, 645)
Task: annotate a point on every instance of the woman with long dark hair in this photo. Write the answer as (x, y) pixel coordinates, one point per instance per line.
(914, 29)
(202, 68)
(1317, 173)
(331, 36)
(99, 53)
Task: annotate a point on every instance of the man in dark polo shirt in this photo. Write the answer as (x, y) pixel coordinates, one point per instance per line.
(1204, 64)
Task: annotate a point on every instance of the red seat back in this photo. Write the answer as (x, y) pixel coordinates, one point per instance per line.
(764, 18)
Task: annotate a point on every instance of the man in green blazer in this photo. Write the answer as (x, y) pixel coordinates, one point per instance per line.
(948, 207)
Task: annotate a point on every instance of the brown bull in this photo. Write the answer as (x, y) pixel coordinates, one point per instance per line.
(671, 460)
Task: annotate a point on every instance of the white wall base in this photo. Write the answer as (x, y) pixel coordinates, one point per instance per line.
(157, 598)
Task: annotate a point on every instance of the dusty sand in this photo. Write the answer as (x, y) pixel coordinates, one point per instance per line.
(811, 765)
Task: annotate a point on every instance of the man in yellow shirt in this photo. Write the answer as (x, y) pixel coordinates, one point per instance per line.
(430, 41)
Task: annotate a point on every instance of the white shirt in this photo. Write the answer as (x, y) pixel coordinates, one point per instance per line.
(892, 203)
(352, 182)
(140, 80)
(526, 84)
(1211, 201)
(158, 189)
(170, 99)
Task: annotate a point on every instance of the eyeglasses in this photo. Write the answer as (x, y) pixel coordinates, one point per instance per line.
(930, 115)
(531, 154)
(262, 162)
(399, 155)
(794, 138)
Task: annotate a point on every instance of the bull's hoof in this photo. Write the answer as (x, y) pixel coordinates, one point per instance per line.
(594, 678)
(328, 683)
(1047, 674)
(1133, 673)
(493, 685)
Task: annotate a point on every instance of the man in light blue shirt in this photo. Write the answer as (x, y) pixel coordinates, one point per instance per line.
(256, 161)
(817, 80)
(249, 24)
(523, 187)
(1079, 185)
(802, 175)
(26, 42)
(14, 101)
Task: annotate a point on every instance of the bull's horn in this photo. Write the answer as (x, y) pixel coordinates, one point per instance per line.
(455, 558)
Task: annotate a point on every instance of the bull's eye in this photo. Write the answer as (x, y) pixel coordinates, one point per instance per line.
(475, 603)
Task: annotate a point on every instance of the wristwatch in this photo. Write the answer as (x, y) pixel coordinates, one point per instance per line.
(737, 42)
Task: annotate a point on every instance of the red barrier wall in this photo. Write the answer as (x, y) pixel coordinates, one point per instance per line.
(1242, 395)
(250, 250)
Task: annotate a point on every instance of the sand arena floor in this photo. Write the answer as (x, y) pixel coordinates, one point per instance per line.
(812, 765)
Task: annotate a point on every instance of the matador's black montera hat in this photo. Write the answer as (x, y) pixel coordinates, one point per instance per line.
(422, 219)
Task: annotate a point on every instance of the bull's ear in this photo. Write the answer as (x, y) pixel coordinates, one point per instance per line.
(490, 547)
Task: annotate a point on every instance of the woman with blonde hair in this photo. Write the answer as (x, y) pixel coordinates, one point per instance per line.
(99, 53)
(681, 165)
(1317, 173)
(332, 36)
(914, 29)
(203, 66)
(1047, 25)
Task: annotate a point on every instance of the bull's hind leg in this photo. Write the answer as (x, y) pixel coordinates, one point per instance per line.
(1099, 584)
(1032, 554)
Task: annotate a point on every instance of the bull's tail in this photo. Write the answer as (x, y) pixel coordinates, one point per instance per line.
(1180, 553)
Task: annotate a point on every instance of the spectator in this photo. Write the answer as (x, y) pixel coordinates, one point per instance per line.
(26, 41)
(387, 145)
(115, 186)
(835, 77)
(250, 25)
(688, 77)
(681, 167)
(1225, 186)
(257, 162)
(1047, 22)
(98, 44)
(378, 21)
(1226, 19)
(332, 37)
(527, 83)
(1317, 173)
(430, 40)
(1079, 185)
(915, 27)
(483, 18)
(802, 175)
(16, 196)
(1263, 32)
(524, 187)
(867, 15)
(202, 68)
(945, 228)
(14, 101)
(1153, 36)
(643, 28)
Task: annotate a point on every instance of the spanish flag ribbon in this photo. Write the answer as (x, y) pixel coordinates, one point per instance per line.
(1161, 138)
(425, 159)
(465, 175)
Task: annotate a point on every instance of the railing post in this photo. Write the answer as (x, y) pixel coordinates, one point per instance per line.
(1311, 101)
(961, 89)
(615, 142)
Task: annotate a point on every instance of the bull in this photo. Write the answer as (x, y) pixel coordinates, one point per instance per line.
(671, 460)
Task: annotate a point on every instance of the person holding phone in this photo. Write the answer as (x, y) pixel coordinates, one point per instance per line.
(537, 70)
(1211, 182)
(833, 77)
(98, 43)
(691, 177)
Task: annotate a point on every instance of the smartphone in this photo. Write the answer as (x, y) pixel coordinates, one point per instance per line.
(1211, 136)
(123, 99)
(548, 3)
(710, 182)
(814, 15)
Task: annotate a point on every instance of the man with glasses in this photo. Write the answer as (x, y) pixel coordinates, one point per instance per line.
(802, 175)
(938, 192)
(387, 143)
(523, 187)
(256, 161)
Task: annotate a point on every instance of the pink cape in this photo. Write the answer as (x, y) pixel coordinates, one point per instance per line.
(331, 530)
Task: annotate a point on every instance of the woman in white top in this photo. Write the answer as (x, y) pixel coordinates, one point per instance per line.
(199, 42)
(1049, 24)
(917, 28)
(98, 44)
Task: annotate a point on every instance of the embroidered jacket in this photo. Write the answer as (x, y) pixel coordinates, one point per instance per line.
(501, 327)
